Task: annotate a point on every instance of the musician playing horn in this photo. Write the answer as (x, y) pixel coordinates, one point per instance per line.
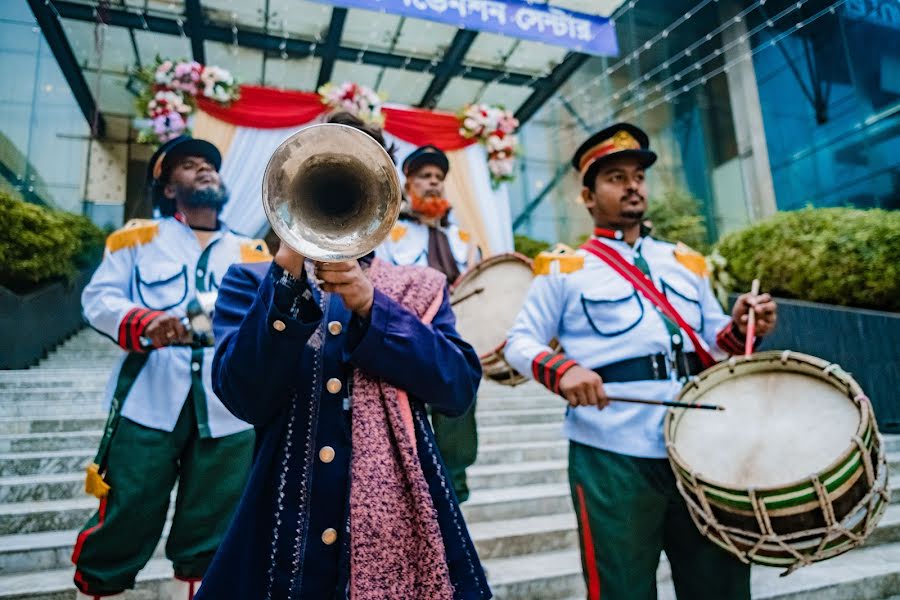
(636, 317)
(347, 496)
(424, 235)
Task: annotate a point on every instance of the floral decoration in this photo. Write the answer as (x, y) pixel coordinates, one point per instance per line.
(495, 127)
(170, 92)
(356, 99)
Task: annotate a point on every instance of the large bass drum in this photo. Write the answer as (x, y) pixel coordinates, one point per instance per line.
(792, 472)
(486, 300)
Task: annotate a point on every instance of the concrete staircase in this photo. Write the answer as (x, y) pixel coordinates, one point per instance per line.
(519, 514)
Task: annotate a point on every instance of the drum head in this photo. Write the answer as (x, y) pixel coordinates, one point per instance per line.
(487, 298)
(778, 427)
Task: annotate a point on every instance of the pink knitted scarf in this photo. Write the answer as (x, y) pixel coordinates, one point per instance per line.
(396, 545)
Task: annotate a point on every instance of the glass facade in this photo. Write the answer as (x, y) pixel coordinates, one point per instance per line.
(44, 138)
(748, 111)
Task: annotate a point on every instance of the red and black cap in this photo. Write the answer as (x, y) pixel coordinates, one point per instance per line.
(621, 139)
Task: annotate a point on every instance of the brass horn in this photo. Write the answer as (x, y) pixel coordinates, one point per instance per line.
(331, 193)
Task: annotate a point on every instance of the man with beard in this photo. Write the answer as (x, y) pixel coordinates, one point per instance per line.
(165, 422)
(622, 340)
(425, 236)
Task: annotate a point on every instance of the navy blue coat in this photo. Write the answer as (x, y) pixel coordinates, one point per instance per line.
(272, 370)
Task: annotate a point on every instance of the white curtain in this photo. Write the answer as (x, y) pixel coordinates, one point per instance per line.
(245, 163)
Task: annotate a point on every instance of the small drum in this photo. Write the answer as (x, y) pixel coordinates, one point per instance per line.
(486, 300)
(792, 472)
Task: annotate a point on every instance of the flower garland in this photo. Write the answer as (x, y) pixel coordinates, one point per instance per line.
(495, 127)
(356, 99)
(169, 95)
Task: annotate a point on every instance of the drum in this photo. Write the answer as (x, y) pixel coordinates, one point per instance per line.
(486, 300)
(792, 472)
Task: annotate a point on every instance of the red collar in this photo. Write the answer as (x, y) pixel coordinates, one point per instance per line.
(610, 234)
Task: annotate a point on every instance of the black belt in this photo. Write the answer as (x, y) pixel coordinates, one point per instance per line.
(650, 368)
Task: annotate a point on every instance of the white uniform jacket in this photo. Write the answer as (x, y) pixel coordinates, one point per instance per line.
(408, 245)
(599, 319)
(157, 266)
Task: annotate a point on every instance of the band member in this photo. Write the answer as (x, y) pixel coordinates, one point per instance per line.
(424, 236)
(622, 339)
(166, 424)
(333, 363)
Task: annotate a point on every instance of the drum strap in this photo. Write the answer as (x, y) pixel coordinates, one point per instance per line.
(643, 284)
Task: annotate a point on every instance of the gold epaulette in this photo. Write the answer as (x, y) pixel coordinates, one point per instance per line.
(464, 236)
(134, 233)
(561, 259)
(255, 251)
(398, 232)
(691, 259)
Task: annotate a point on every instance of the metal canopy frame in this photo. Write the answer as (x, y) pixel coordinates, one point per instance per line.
(200, 29)
(68, 64)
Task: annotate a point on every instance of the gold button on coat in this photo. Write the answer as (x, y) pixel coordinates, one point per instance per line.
(333, 385)
(326, 454)
(329, 536)
(335, 327)
(278, 325)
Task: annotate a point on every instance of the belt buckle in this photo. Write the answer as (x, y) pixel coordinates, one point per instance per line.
(654, 364)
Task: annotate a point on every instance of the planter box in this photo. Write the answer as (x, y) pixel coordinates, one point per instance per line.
(866, 343)
(35, 323)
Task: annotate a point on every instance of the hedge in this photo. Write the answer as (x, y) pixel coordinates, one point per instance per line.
(831, 255)
(39, 244)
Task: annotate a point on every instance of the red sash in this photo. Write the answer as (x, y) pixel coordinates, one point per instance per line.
(645, 286)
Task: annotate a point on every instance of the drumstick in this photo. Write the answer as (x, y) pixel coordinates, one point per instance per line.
(751, 322)
(667, 403)
(467, 296)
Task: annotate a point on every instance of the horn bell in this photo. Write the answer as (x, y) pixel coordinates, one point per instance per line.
(331, 193)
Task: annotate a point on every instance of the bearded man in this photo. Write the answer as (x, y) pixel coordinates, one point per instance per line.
(165, 422)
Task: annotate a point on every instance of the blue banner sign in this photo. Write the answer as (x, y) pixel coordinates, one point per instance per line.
(579, 32)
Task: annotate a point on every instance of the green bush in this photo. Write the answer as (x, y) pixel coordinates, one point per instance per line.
(676, 217)
(831, 255)
(39, 244)
(528, 246)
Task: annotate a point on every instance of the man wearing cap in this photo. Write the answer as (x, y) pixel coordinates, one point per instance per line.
(636, 317)
(165, 423)
(425, 236)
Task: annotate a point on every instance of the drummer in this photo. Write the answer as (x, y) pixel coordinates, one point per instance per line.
(425, 235)
(618, 344)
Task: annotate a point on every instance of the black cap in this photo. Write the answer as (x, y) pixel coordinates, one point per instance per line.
(426, 155)
(161, 162)
(621, 139)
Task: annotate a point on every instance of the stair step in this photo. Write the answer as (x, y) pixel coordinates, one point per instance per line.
(37, 488)
(49, 515)
(85, 421)
(482, 477)
(487, 418)
(57, 584)
(506, 434)
(53, 461)
(517, 502)
(492, 454)
(524, 536)
(36, 442)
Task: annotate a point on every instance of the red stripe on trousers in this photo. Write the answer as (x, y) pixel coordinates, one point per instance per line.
(587, 542)
(82, 537)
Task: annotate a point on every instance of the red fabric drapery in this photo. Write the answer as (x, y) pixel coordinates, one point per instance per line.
(266, 108)
(269, 108)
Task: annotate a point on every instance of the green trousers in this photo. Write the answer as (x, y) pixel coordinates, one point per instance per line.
(628, 511)
(457, 440)
(143, 466)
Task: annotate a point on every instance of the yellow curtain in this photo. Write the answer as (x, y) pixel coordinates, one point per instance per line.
(211, 129)
(459, 190)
